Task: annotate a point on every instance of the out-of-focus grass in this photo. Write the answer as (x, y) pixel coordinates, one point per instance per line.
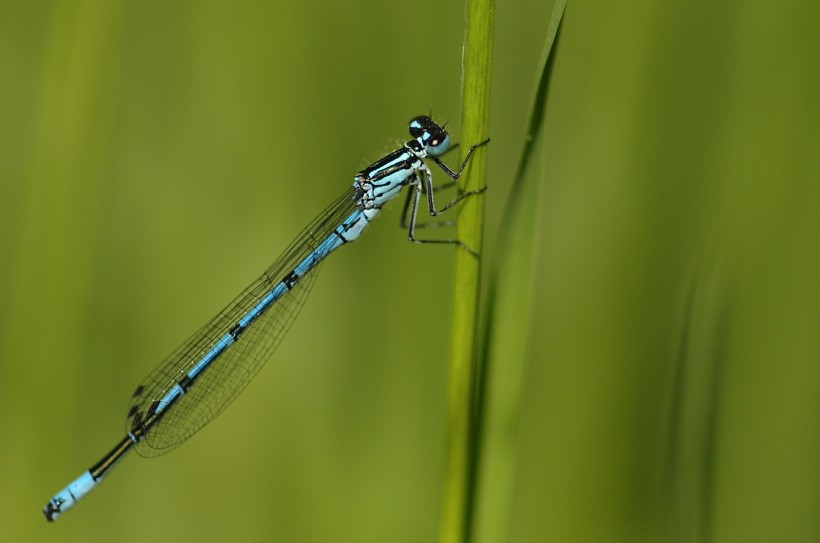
(155, 156)
(509, 308)
(694, 408)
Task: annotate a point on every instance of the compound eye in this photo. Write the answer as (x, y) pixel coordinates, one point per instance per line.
(438, 144)
(418, 125)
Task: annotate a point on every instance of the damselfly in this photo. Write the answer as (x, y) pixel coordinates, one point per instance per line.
(200, 378)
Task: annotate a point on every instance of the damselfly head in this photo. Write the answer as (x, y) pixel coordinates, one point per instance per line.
(421, 124)
(432, 136)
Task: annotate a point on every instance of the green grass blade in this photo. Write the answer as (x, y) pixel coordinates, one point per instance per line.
(508, 314)
(688, 468)
(457, 491)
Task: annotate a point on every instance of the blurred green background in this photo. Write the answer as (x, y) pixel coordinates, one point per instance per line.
(156, 156)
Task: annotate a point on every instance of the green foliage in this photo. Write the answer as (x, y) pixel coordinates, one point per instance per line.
(512, 291)
(460, 446)
(156, 156)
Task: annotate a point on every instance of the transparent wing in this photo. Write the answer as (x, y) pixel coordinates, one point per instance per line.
(227, 375)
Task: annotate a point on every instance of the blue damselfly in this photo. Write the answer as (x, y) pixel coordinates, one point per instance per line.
(201, 377)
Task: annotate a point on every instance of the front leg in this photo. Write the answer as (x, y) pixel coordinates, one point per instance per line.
(451, 173)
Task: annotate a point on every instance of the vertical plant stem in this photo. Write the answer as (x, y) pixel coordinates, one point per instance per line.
(460, 455)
